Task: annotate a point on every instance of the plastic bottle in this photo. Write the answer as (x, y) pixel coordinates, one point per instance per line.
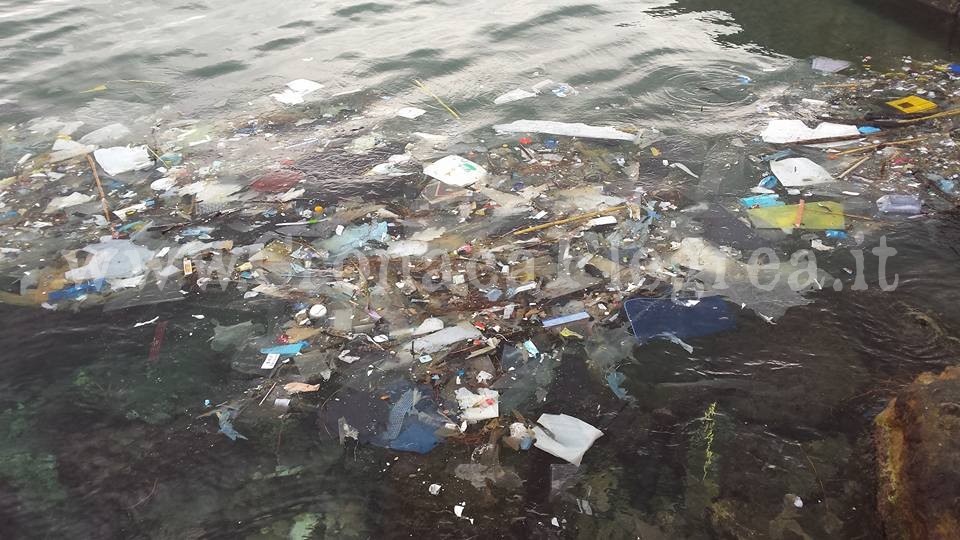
(899, 204)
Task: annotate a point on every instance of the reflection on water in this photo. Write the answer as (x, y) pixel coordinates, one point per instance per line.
(100, 442)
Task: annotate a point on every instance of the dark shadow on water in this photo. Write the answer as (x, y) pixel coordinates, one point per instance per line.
(842, 29)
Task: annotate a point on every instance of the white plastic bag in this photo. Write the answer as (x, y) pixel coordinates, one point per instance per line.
(569, 437)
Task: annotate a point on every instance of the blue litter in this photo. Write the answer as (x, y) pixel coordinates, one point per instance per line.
(954, 68)
(171, 159)
(517, 186)
(655, 317)
(226, 426)
(129, 226)
(614, 380)
(777, 155)
(9, 214)
(566, 319)
(768, 182)
(551, 144)
(289, 349)
(832, 233)
(762, 201)
(114, 185)
(196, 231)
(73, 292)
(354, 237)
(743, 79)
(494, 294)
(416, 437)
(531, 348)
(867, 130)
(945, 185)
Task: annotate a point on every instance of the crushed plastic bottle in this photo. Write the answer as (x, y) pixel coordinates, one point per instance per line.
(899, 204)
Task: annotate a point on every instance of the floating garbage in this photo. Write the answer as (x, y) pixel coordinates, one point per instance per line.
(410, 113)
(564, 436)
(74, 199)
(122, 159)
(482, 405)
(794, 131)
(296, 91)
(829, 65)
(912, 104)
(564, 129)
(455, 171)
(417, 291)
(898, 204)
(799, 172)
(762, 201)
(108, 134)
(813, 216)
(513, 95)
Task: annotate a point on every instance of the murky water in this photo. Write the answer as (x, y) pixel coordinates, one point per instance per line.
(98, 441)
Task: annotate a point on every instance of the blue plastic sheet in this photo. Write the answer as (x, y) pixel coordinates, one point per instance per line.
(73, 292)
(565, 319)
(654, 317)
(614, 380)
(762, 201)
(416, 437)
(289, 349)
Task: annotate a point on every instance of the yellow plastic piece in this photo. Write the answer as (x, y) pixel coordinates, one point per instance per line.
(817, 216)
(912, 104)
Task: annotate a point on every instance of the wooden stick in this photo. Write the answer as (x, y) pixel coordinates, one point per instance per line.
(825, 140)
(103, 196)
(874, 146)
(854, 167)
(267, 394)
(564, 221)
(799, 219)
(842, 85)
(427, 91)
(944, 114)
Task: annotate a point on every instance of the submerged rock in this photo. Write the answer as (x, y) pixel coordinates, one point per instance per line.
(918, 459)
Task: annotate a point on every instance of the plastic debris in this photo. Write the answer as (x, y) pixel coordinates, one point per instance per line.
(410, 113)
(792, 131)
(112, 258)
(566, 319)
(819, 216)
(829, 65)
(514, 95)
(614, 380)
(455, 171)
(296, 91)
(564, 129)
(898, 204)
(122, 159)
(483, 405)
(108, 134)
(290, 349)
(444, 338)
(564, 436)
(762, 201)
(912, 104)
(799, 172)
